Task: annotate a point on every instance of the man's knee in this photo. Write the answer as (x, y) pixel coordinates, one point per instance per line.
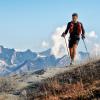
(75, 46)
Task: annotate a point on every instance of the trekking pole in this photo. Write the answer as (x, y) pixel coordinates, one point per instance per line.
(86, 48)
(67, 48)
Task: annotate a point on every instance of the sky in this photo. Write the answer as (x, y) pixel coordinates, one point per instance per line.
(30, 24)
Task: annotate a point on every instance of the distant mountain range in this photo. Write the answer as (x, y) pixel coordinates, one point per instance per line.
(12, 61)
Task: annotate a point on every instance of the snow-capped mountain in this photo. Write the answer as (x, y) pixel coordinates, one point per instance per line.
(12, 61)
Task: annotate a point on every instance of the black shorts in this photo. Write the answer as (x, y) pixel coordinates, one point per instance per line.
(73, 41)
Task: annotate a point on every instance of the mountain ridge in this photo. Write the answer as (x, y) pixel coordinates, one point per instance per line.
(23, 61)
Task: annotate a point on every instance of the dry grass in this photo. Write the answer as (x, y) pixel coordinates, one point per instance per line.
(79, 83)
(82, 83)
(6, 84)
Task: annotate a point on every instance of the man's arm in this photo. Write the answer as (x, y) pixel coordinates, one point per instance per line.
(83, 31)
(66, 31)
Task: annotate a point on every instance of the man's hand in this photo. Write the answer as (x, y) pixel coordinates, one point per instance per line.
(83, 37)
(63, 34)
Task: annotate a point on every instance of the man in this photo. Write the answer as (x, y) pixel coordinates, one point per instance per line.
(76, 30)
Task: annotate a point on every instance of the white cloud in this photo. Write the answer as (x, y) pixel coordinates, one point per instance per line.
(95, 46)
(95, 50)
(45, 44)
(91, 37)
(58, 48)
(92, 34)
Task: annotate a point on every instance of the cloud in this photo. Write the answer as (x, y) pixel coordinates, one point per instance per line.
(92, 34)
(58, 48)
(92, 41)
(45, 44)
(95, 50)
(91, 37)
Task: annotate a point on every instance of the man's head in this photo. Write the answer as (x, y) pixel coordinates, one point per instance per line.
(74, 17)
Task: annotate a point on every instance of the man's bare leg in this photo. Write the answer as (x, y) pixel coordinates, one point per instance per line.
(71, 54)
(74, 51)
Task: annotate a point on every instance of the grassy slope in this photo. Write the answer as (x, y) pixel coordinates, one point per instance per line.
(80, 83)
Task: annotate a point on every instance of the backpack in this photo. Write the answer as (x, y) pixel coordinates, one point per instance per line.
(79, 28)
